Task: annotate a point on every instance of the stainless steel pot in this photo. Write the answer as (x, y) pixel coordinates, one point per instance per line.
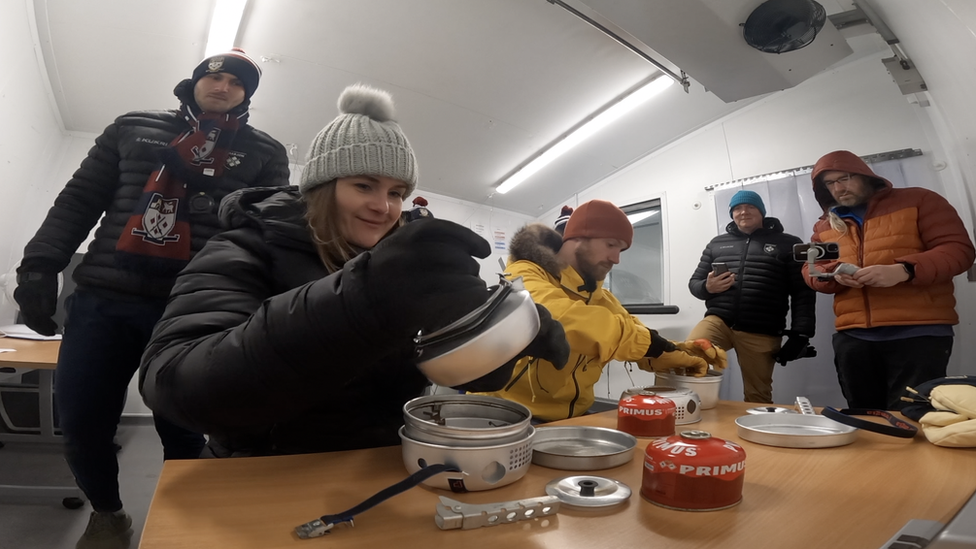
(465, 420)
(707, 387)
(482, 468)
(482, 340)
(804, 430)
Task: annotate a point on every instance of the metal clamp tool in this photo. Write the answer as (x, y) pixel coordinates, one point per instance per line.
(804, 407)
(452, 514)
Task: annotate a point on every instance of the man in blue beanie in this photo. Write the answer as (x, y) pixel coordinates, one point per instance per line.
(749, 282)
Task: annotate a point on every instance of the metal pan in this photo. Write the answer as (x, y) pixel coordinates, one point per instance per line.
(580, 448)
(803, 430)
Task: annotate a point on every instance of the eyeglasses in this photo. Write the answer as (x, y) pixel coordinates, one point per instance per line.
(843, 180)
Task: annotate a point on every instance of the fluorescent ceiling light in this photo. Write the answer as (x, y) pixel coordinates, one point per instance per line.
(586, 129)
(641, 216)
(224, 23)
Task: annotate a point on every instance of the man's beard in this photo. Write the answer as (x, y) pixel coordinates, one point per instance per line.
(591, 272)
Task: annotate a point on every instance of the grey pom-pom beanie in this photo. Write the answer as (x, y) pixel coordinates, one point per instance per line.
(362, 140)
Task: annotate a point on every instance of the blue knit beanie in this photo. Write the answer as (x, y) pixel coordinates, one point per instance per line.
(747, 197)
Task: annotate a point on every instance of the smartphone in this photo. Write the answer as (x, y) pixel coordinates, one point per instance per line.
(824, 251)
(719, 268)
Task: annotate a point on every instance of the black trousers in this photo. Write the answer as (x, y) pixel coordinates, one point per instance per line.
(874, 374)
(100, 351)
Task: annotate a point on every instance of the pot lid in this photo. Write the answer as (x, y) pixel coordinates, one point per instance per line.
(471, 322)
(588, 491)
(770, 410)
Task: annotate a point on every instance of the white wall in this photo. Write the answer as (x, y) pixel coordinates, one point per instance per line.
(856, 107)
(495, 225)
(31, 141)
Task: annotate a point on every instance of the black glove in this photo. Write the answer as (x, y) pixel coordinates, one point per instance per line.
(659, 345)
(796, 347)
(37, 296)
(423, 277)
(549, 344)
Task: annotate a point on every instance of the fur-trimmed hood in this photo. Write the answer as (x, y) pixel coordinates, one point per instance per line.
(538, 243)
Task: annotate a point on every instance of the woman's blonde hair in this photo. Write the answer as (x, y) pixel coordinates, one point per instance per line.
(323, 223)
(836, 223)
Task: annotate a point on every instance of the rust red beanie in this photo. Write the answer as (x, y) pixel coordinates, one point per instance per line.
(599, 219)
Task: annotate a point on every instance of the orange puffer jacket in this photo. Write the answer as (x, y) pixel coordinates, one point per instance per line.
(911, 225)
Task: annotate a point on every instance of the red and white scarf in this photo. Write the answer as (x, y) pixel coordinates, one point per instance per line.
(156, 238)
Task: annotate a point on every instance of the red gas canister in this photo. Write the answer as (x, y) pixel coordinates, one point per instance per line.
(646, 414)
(693, 471)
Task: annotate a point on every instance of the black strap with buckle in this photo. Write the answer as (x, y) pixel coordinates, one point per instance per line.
(325, 523)
(897, 428)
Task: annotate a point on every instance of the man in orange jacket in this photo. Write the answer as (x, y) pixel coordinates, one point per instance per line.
(894, 314)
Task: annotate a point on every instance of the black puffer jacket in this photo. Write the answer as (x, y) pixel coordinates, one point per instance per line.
(263, 350)
(110, 181)
(768, 282)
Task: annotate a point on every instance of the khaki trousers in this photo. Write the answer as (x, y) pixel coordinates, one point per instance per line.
(754, 352)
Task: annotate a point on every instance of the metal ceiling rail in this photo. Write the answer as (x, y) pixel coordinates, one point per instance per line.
(803, 170)
(628, 42)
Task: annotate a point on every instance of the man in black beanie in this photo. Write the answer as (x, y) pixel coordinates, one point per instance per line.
(158, 177)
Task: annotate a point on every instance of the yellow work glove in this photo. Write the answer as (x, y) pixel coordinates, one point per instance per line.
(958, 398)
(688, 358)
(955, 430)
(714, 356)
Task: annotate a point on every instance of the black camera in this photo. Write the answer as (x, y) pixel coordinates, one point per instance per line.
(822, 251)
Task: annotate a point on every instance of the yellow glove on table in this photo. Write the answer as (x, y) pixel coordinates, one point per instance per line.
(946, 428)
(714, 356)
(958, 398)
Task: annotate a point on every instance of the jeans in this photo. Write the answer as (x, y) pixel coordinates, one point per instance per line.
(874, 374)
(100, 351)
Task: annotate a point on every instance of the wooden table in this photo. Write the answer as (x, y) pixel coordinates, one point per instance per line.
(43, 357)
(33, 355)
(856, 496)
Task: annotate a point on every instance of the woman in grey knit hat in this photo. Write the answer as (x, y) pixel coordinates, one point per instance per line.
(281, 330)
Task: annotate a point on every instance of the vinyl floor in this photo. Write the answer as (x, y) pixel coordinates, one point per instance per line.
(42, 522)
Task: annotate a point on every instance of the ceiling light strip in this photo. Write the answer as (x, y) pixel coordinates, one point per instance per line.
(224, 24)
(592, 124)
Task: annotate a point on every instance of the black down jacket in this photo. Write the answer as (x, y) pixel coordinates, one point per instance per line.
(266, 352)
(768, 282)
(110, 181)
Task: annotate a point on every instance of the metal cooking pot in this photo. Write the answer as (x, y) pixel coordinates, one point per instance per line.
(465, 420)
(482, 340)
(482, 468)
(804, 430)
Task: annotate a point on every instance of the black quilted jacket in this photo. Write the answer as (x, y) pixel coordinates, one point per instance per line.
(110, 181)
(266, 352)
(768, 282)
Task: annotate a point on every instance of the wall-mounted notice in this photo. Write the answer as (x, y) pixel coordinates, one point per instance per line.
(500, 240)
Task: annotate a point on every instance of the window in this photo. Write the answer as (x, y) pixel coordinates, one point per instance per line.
(639, 278)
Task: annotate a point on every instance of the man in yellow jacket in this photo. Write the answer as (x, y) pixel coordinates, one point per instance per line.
(565, 274)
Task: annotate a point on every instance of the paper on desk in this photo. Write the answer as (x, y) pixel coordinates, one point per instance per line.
(7, 350)
(21, 331)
